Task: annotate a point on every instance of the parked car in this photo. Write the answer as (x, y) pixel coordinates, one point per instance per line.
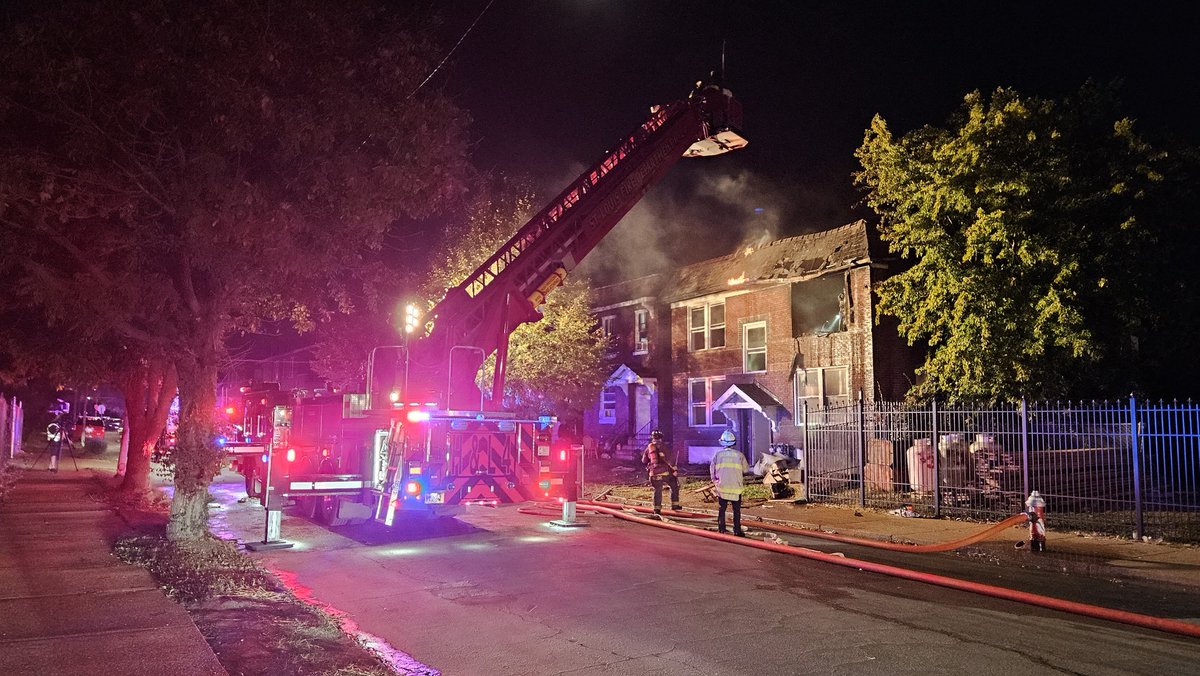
(111, 423)
(90, 428)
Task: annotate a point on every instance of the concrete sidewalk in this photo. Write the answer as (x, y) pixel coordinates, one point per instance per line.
(67, 605)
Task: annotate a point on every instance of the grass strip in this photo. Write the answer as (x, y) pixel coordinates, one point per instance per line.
(252, 621)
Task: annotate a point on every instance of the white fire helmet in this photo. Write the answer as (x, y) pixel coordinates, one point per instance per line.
(728, 438)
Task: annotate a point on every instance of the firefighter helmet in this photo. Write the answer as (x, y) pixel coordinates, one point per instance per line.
(728, 438)
(656, 435)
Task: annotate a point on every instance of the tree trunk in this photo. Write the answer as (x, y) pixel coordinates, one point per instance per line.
(149, 387)
(197, 457)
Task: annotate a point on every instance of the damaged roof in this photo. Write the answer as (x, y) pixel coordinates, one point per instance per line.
(630, 289)
(785, 259)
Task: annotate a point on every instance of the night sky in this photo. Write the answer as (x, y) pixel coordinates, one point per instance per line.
(552, 83)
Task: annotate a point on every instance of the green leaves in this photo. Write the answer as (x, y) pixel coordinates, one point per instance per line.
(1023, 221)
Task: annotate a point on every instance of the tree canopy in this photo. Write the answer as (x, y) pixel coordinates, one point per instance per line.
(556, 364)
(1050, 254)
(202, 167)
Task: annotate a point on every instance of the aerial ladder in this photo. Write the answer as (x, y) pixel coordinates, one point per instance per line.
(432, 440)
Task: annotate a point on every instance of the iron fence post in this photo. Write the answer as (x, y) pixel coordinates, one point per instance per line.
(862, 454)
(804, 450)
(1024, 450)
(1138, 525)
(937, 461)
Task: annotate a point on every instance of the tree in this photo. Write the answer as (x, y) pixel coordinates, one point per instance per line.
(68, 350)
(235, 155)
(1037, 229)
(556, 364)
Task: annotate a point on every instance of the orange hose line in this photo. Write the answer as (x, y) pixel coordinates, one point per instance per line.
(984, 534)
(1110, 614)
(849, 539)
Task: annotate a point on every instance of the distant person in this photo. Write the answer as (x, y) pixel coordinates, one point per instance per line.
(56, 436)
(726, 471)
(661, 471)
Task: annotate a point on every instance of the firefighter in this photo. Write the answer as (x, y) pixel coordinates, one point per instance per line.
(726, 471)
(56, 436)
(661, 471)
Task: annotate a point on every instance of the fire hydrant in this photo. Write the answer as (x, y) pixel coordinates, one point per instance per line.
(1035, 510)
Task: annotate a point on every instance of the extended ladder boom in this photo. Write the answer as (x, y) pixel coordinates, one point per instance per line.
(476, 318)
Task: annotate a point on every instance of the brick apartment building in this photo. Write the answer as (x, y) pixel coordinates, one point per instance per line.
(744, 341)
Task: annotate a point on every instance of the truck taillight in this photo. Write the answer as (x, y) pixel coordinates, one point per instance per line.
(291, 455)
(412, 487)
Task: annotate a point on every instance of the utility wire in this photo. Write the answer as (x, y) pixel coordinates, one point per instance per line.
(445, 58)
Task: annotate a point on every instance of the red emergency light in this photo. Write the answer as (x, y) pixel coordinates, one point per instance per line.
(229, 410)
(418, 416)
(291, 455)
(412, 487)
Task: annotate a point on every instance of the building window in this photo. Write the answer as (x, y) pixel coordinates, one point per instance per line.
(820, 388)
(701, 393)
(754, 347)
(607, 324)
(608, 407)
(641, 331)
(706, 327)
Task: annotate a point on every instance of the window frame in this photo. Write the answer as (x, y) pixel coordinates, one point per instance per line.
(822, 396)
(641, 331)
(708, 328)
(746, 350)
(608, 325)
(607, 396)
(709, 398)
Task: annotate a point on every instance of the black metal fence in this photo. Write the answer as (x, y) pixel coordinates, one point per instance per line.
(1126, 468)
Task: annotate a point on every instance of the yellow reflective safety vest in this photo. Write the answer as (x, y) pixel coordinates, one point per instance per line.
(726, 470)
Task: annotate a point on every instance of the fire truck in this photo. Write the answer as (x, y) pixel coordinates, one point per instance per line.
(423, 438)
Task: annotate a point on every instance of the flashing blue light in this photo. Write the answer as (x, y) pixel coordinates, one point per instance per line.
(759, 210)
(479, 416)
(221, 441)
(544, 421)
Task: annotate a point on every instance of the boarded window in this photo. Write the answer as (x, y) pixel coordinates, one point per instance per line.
(818, 306)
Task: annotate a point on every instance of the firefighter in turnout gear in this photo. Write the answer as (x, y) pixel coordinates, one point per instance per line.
(726, 471)
(661, 471)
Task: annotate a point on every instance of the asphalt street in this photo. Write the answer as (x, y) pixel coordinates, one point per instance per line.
(499, 592)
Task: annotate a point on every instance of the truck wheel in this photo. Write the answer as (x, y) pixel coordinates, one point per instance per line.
(328, 509)
(310, 508)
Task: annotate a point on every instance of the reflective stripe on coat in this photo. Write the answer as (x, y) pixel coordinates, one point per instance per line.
(726, 470)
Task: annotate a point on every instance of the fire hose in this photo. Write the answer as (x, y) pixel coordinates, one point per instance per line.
(1099, 612)
(1011, 521)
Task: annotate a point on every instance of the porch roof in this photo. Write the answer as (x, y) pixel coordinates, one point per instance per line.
(754, 397)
